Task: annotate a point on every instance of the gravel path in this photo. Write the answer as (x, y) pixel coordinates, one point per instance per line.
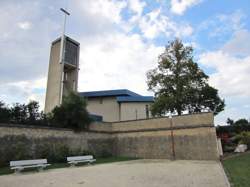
(137, 173)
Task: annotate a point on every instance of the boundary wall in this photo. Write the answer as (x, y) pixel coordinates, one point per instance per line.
(181, 137)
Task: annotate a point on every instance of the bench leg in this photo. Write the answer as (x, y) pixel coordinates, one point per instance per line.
(40, 169)
(17, 171)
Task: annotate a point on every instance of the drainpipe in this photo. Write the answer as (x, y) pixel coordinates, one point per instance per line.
(172, 137)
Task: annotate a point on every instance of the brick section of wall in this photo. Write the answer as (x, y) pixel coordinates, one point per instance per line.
(194, 137)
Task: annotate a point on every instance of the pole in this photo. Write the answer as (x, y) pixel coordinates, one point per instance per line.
(172, 136)
(61, 57)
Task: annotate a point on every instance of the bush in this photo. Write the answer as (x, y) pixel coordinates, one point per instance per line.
(243, 138)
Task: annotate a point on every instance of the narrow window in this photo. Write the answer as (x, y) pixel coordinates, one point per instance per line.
(147, 111)
(65, 76)
(101, 101)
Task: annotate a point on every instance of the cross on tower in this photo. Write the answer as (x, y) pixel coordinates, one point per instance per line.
(61, 58)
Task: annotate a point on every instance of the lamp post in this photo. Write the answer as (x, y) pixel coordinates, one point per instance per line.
(61, 57)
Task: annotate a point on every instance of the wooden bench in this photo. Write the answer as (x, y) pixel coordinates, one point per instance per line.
(73, 160)
(22, 164)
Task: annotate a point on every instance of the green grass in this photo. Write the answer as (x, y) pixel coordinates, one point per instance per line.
(7, 170)
(238, 170)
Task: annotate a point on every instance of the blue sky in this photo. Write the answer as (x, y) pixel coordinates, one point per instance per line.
(121, 40)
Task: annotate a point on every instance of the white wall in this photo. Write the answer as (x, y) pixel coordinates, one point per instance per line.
(107, 107)
(134, 110)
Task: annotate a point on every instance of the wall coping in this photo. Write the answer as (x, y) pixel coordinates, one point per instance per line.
(100, 127)
(33, 127)
(161, 117)
(152, 130)
(113, 132)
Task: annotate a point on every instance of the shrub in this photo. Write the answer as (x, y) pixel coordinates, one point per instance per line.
(243, 138)
(71, 113)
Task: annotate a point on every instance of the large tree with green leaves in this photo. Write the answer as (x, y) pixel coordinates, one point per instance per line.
(180, 85)
(71, 113)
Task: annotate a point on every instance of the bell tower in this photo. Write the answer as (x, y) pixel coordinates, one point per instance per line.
(63, 69)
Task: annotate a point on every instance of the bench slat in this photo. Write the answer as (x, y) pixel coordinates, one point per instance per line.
(30, 166)
(27, 162)
(78, 161)
(79, 158)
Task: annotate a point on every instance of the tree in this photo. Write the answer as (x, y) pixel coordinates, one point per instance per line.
(241, 122)
(230, 121)
(19, 113)
(71, 113)
(33, 114)
(5, 114)
(180, 85)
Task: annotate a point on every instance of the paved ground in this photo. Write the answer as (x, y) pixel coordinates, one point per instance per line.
(139, 173)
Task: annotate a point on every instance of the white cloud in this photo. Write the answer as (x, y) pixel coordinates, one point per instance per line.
(231, 75)
(24, 25)
(24, 91)
(155, 23)
(180, 6)
(109, 64)
(103, 9)
(136, 6)
(239, 44)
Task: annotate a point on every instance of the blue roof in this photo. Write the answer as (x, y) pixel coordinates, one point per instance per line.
(134, 99)
(108, 93)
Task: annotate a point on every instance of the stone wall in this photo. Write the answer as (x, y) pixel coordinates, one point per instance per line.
(193, 137)
(91, 141)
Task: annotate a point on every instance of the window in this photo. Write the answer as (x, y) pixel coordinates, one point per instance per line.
(71, 50)
(101, 101)
(65, 76)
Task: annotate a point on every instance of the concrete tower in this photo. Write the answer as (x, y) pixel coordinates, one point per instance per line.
(63, 71)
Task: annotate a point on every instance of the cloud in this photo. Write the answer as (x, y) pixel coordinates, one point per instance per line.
(137, 6)
(223, 25)
(24, 25)
(180, 6)
(109, 64)
(103, 10)
(24, 91)
(155, 23)
(239, 44)
(231, 75)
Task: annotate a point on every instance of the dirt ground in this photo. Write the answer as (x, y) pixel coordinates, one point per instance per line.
(137, 173)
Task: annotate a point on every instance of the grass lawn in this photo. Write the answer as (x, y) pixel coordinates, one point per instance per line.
(238, 170)
(7, 170)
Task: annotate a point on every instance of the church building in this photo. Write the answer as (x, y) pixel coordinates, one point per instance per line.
(118, 105)
(109, 105)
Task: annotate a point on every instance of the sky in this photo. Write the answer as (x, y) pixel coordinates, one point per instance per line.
(121, 40)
